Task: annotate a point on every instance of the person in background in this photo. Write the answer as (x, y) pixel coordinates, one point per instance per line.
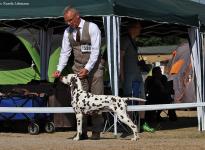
(158, 91)
(130, 73)
(84, 39)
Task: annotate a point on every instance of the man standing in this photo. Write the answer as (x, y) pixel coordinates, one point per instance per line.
(84, 39)
(130, 73)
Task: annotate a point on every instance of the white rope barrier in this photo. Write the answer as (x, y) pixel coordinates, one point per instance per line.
(70, 109)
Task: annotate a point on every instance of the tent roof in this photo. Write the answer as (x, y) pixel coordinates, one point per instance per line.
(172, 11)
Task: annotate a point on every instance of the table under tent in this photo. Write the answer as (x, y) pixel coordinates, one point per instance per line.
(160, 18)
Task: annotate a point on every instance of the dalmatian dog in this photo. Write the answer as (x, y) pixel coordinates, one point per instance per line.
(87, 103)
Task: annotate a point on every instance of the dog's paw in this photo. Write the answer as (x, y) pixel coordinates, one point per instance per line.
(135, 138)
(77, 138)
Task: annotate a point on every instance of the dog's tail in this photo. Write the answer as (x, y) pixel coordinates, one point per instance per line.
(134, 98)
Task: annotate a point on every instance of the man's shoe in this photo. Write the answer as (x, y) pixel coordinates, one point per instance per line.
(95, 136)
(83, 136)
(146, 128)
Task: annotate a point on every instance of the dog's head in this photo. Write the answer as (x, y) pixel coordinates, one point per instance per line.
(72, 80)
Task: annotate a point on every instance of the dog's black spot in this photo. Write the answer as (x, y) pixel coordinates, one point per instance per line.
(113, 99)
(82, 108)
(96, 99)
(83, 100)
(77, 97)
(121, 117)
(88, 96)
(93, 104)
(99, 105)
(132, 126)
(128, 121)
(115, 108)
(118, 104)
(121, 108)
(88, 104)
(74, 83)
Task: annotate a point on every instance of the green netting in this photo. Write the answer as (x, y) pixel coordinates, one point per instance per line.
(21, 76)
(25, 75)
(32, 51)
(53, 61)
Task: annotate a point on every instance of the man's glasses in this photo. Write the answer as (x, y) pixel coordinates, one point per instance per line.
(70, 20)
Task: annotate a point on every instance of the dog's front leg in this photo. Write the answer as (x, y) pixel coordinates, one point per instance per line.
(79, 118)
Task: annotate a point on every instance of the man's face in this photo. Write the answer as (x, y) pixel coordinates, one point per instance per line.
(72, 19)
(137, 30)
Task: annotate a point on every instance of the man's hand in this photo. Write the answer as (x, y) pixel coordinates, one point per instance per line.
(56, 74)
(83, 73)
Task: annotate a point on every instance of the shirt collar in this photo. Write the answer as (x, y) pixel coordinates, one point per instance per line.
(82, 21)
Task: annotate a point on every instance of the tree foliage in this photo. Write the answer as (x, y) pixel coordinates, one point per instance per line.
(158, 41)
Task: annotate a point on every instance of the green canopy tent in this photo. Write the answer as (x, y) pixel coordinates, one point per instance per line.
(172, 11)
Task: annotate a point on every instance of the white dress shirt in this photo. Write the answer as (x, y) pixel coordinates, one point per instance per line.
(95, 36)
